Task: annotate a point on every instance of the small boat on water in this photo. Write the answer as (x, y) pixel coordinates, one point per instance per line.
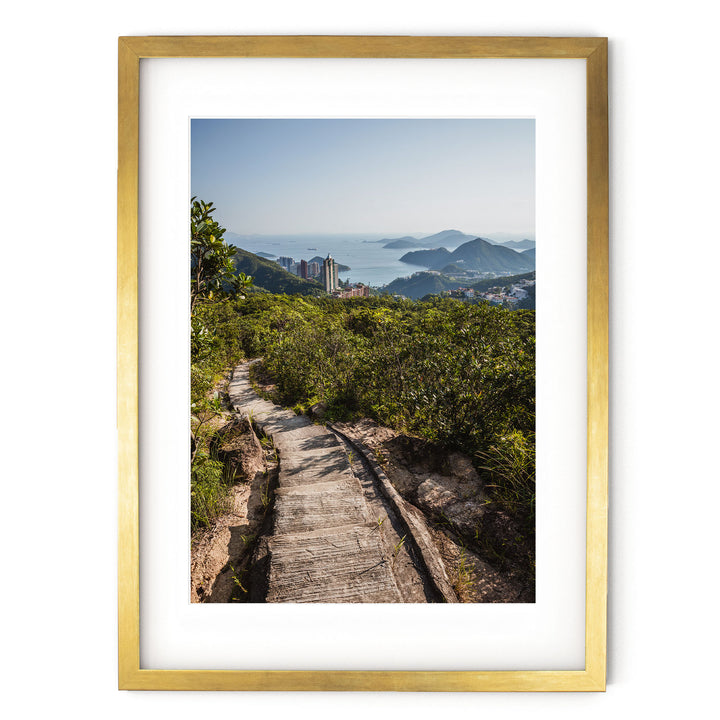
(312, 248)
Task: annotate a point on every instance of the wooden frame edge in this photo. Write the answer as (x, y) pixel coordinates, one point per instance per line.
(127, 362)
(597, 362)
(338, 46)
(370, 680)
(594, 51)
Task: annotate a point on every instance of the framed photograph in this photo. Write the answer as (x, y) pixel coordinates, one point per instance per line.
(363, 363)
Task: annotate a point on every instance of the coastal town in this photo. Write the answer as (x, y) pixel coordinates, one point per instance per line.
(327, 274)
(498, 295)
(507, 295)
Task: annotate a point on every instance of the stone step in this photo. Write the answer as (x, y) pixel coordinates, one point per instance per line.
(325, 546)
(345, 566)
(306, 508)
(306, 469)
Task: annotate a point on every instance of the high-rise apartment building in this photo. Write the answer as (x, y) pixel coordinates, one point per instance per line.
(330, 274)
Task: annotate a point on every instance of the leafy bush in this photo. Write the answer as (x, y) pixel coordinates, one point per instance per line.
(215, 346)
(458, 374)
(461, 375)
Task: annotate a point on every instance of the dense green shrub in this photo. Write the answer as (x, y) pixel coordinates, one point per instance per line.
(461, 375)
(215, 343)
(214, 346)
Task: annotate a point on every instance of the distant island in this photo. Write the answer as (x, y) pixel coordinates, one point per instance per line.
(479, 255)
(452, 237)
(447, 237)
(519, 244)
(402, 243)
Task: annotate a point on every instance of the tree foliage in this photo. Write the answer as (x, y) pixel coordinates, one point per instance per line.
(214, 347)
(457, 374)
(460, 375)
(211, 258)
(270, 276)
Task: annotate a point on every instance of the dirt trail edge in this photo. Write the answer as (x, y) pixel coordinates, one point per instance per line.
(327, 545)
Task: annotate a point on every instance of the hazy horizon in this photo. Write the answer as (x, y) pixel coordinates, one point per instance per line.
(366, 177)
(390, 236)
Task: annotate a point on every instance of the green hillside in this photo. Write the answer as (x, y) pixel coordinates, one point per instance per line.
(527, 303)
(420, 284)
(477, 255)
(481, 255)
(483, 285)
(453, 269)
(427, 258)
(270, 276)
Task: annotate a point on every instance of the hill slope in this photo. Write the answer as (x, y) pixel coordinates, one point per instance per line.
(270, 276)
(446, 237)
(519, 244)
(403, 242)
(421, 284)
(481, 255)
(477, 254)
(483, 285)
(427, 258)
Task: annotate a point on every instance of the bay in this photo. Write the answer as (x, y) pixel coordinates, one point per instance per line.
(370, 263)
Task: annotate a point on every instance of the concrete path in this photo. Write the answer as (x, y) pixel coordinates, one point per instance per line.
(326, 545)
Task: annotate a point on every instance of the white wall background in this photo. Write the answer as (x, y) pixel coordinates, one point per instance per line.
(58, 307)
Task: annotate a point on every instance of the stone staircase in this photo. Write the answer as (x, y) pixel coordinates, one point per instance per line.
(325, 545)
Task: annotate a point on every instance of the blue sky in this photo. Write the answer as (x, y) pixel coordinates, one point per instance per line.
(273, 176)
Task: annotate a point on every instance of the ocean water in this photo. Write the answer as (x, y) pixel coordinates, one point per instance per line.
(370, 263)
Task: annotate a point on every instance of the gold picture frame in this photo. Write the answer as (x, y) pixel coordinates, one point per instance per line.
(594, 51)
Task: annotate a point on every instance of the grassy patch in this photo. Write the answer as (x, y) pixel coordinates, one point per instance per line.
(510, 467)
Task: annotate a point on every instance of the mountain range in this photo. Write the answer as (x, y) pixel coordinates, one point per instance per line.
(454, 237)
(518, 244)
(403, 242)
(503, 238)
(515, 241)
(477, 254)
(446, 237)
